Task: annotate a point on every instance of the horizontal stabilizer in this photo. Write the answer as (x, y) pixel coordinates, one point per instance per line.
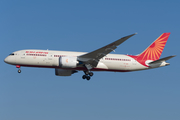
(162, 59)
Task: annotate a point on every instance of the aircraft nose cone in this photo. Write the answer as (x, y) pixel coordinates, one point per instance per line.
(6, 60)
(10, 60)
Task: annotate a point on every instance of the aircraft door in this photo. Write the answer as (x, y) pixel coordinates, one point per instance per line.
(50, 59)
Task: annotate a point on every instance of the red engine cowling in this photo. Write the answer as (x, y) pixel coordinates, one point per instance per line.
(68, 62)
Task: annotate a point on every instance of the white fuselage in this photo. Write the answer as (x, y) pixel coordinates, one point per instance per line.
(50, 59)
(67, 63)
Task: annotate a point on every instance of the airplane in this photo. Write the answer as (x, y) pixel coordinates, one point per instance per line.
(67, 63)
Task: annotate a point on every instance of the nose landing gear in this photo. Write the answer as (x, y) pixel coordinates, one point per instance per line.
(18, 66)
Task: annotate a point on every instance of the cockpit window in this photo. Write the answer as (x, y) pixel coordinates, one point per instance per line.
(11, 54)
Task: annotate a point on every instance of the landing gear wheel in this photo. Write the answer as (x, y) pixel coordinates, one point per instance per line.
(84, 77)
(19, 71)
(88, 78)
(86, 72)
(91, 74)
(87, 75)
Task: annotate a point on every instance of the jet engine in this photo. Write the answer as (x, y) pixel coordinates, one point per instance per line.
(68, 62)
(61, 72)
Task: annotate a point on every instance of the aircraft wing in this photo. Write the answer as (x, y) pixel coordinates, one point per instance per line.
(92, 58)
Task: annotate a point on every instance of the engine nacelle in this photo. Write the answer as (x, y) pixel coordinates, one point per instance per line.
(68, 62)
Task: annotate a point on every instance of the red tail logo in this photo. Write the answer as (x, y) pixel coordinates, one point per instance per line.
(153, 52)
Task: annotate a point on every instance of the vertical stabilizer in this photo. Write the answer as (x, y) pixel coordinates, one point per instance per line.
(153, 52)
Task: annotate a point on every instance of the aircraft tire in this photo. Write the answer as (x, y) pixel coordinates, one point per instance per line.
(86, 72)
(91, 74)
(84, 77)
(19, 71)
(88, 78)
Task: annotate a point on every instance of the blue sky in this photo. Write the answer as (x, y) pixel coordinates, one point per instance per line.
(37, 94)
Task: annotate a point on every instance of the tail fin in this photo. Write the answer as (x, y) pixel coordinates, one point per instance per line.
(153, 52)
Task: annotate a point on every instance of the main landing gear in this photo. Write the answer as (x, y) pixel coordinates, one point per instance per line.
(19, 70)
(87, 75)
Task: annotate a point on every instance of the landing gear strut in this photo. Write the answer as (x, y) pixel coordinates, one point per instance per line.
(87, 75)
(18, 66)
